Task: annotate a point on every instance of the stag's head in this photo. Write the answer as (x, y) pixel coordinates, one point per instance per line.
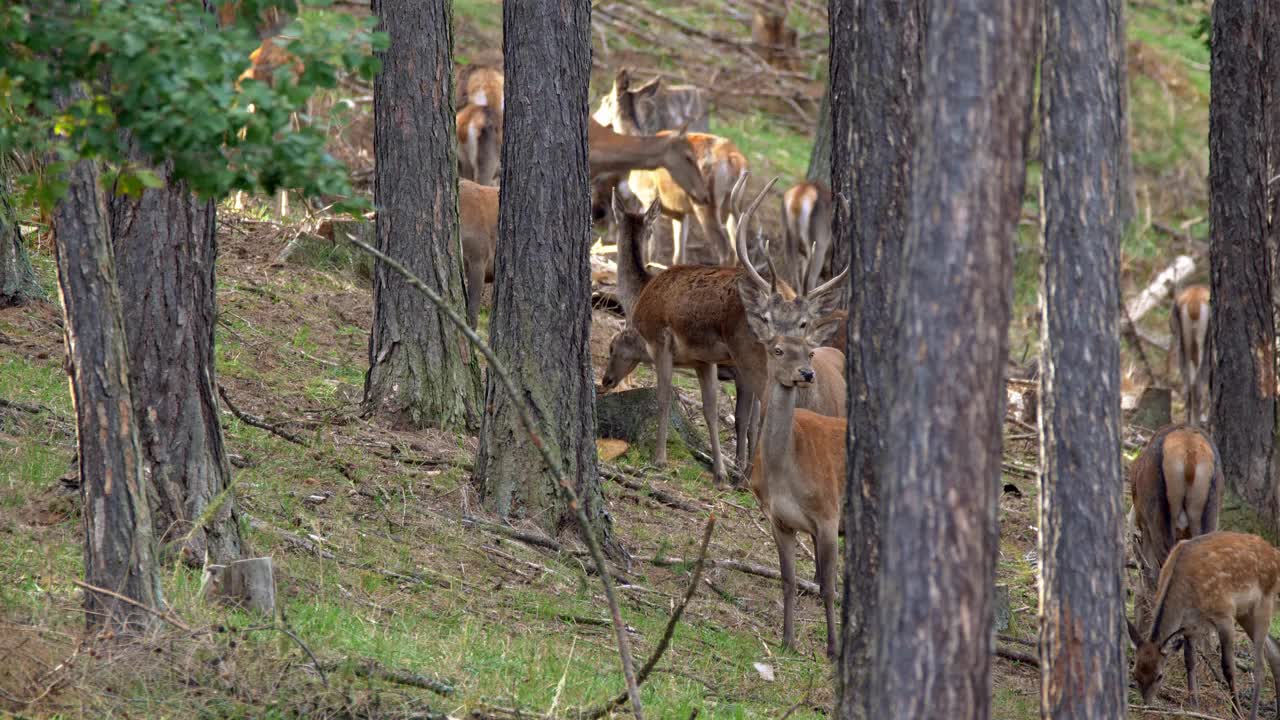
(790, 327)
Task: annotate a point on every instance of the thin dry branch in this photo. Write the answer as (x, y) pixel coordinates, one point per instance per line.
(531, 427)
(258, 422)
(1174, 711)
(1017, 656)
(165, 616)
(373, 671)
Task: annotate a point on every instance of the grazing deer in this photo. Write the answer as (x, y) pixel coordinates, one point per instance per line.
(614, 154)
(1221, 578)
(479, 144)
(721, 166)
(650, 107)
(806, 217)
(773, 40)
(1189, 326)
(798, 472)
(481, 85)
(478, 228)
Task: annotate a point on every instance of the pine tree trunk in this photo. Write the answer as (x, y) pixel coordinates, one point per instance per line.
(421, 369)
(1126, 197)
(165, 250)
(875, 68)
(18, 284)
(820, 156)
(541, 320)
(941, 482)
(1243, 391)
(119, 550)
(1083, 672)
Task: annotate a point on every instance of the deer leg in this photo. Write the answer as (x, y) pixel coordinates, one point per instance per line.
(786, 542)
(475, 286)
(1273, 660)
(709, 384)
(662, 363)
(825, 548)
(1226, 643)
(679, 239)
(742, 404)
(713, 232)
(1189, 659)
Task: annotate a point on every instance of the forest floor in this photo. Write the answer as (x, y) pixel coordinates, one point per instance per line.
(385, 559)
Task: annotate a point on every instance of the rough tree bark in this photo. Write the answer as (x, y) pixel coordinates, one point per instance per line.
(421, 370)
(1243, 393)
(18, 284)
(541, 319)
(119, 548)
(165, 249)
(876, 50)
(939, 496)
(1083, 673)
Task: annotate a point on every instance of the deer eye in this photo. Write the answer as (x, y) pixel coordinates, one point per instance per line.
(777, 350)
(810, 354)
(804, 324)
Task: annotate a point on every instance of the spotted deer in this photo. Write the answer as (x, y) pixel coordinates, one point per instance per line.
(1189, 327)
(798, 471)
(479, 143)
(721, 166)
(806, 218)
(1219, 579)
(650, 107)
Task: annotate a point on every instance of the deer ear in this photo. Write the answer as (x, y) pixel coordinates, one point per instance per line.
(619, 210)
(821, 332)
(622, 81)
(648, 88)
(1173, 642)
(1135, 636)
(755, 301)
(651, 214)
(822, 304)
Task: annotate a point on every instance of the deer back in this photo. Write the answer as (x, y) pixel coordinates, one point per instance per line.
(1172, 448)
(478, 224)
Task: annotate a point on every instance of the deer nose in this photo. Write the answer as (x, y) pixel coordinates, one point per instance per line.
(806, 374)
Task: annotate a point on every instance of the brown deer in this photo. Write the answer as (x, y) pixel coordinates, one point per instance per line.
(1176, 485)
(721, 166)
(1221, 578)
(651, 107)
(481, 85)
(614, 154)
(478, 228)
(773, 40)
(806, 218)
(798, 472)
(1189, 327)
(479, 143)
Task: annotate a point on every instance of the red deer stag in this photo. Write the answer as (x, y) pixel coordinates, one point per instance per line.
(651, 107)
(1176, 484)
(1222, 578)
(1189, 326)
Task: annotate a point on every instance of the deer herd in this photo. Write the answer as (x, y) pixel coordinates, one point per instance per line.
(781, 341)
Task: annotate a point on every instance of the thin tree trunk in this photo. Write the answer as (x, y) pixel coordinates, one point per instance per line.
(820, 156)
(165, 249)
(119, 549)
(421, 370)
(1244, 371)
(1082, 659)
(941, 483)
(1126, 197)
(541, 320)
(875, 69)
(18, 284)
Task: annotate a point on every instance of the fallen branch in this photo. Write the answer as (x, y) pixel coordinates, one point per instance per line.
(613, 473)
(258, 422)
(371, 670)
(806, 586)
(293, 636)
(165, 616)
(1172, 712)
(526, 418)
(1160, 288)
(1016, 640)
(661, 649)
(15, 405)
(1017, 656)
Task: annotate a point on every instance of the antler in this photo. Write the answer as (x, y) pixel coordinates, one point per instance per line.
(830, 283)
(744, 220)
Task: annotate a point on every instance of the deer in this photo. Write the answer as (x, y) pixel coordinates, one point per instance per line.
(1221, 578)
(479, 143)
(1176, 485)
(773, 40)
(481, 85)
(651, 107)
(1189, 327)
(614, 154)
(721, 165)
(806, 219)
(478, 228)
(797, 474)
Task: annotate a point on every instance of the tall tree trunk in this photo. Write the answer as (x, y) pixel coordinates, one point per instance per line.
(165, 249)
(1126, 197)
(876, 48)
(1244, 364)
(541, 319)
(939, 496)
(421, 369)
(1082, 658)
(18, 284)
(820, 156)
(119, 549)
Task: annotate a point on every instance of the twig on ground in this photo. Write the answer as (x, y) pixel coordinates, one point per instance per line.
(1017, 656)
(165, 616)
(1020, 469)
(806, 586)
(1174, 711)
(258, 422)
(1016, 640)
(294, 637)
(676, 614)
(526, 418)
(373, 671)
(611, 472)
(15, 405)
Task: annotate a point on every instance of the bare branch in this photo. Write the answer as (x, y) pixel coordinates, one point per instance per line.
(258, 422)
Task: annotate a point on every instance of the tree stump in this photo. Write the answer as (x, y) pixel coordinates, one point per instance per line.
(249, 584)
(632, 415)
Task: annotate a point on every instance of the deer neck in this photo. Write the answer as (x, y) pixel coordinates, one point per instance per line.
(632, 273)
(775, 435)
